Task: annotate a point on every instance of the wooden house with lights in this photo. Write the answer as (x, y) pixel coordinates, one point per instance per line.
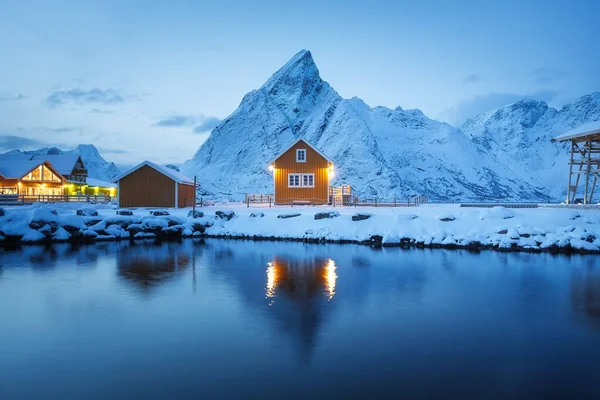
(29, 178)
(301, 174)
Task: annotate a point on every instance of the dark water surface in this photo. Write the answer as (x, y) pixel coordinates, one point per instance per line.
(227, 319)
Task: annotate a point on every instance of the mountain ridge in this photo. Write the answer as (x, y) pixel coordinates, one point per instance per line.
(379, 151)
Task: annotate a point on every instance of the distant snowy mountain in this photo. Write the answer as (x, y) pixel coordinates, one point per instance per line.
(383, 152)
(519, 135)
(98, 167)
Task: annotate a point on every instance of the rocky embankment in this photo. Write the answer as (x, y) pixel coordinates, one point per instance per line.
(498, 228)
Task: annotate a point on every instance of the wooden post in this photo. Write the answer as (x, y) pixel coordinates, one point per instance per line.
(247, 201)
(269, 201)
(394, 200)
(194, 205)
(375, 202)
(587, 171)
(570, 172)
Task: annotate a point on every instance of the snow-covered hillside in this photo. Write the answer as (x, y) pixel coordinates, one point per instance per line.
(379, 151)
(519, 135)
(98, 167)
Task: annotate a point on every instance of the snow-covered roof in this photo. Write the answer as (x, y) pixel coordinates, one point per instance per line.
(171, 173)
(62, 163)
(294, 143)
(18, 167)
(592, 128)
(97, 182)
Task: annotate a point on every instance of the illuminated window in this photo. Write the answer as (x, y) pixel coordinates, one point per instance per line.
(294, 180)
(301, 180)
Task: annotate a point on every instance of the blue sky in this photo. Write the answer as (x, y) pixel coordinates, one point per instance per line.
(143, 79)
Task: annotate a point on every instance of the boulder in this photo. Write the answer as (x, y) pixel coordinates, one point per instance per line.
(46, 230)
(88, 236)
(446, 217)
(172, 232)
(361, 216)
(198, 227)
(159, 213)
(92, 221)
(226, 215)
(133, 229)
(502, 232)
(324, 215)
(124, 212)
(173, 221)
(87, 212)
(72, 223)
(376, 240)
(42, 217)
(195, 214)
(288, 215)
(123, 221)
(257, 215)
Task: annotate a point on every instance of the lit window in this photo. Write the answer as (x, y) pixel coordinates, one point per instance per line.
(301, 155)
(294, 180)
(301, 180)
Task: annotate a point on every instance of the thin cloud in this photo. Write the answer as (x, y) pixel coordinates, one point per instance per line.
(208, 124)
(12, 142)
(547, 75)
(12, 97)
(113, 151)
(82, 97)
(472, 78)
(201, 122)
(177, 120)
(99, 111)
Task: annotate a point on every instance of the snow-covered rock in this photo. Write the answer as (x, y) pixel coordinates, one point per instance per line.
(497, 212)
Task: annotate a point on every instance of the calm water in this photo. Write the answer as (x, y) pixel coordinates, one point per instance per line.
(223, 319)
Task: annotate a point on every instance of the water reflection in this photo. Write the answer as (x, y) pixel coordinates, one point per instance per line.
(585, 293)
(340, 321)
(147, 264)
(300, 278)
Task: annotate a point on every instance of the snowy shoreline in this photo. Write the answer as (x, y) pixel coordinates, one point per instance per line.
(430, 226)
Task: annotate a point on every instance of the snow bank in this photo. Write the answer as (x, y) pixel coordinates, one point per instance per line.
(449, 226)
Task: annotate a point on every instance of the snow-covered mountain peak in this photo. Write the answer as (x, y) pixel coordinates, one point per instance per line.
(87, 150)
(299, 72)
(584, 109)
(382, 152)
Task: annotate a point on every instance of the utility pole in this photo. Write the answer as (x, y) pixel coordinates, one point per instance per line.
(194, 205)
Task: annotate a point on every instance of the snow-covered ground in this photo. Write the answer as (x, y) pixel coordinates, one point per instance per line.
(427, 225)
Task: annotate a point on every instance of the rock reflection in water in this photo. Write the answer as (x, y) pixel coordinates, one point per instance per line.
(585, 293)
(147, 264)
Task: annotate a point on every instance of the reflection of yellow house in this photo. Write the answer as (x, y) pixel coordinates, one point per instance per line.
(30, 178)
(301, 279)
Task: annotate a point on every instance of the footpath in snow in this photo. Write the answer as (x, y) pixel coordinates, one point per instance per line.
(447, 226)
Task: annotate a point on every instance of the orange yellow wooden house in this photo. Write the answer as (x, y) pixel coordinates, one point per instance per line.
(301, 174)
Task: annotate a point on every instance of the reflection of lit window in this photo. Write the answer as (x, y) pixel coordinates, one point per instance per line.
(271, 280)
(330, 278)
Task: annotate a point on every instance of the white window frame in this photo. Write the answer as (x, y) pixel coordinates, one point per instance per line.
(298, 152)
(301, 180)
